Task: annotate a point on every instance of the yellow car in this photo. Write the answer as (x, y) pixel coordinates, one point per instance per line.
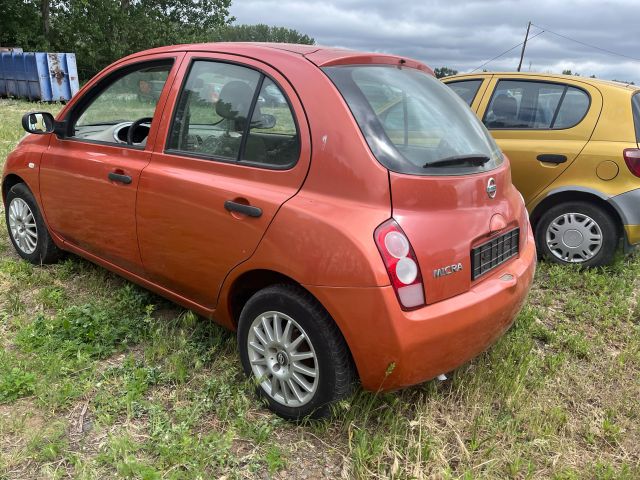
(574, 146)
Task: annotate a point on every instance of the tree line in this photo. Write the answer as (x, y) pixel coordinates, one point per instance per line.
(102, 31)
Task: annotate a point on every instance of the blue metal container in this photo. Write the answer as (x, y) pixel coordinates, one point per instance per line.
(48, 77)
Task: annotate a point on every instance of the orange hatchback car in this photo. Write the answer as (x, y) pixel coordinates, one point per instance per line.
(345, 212)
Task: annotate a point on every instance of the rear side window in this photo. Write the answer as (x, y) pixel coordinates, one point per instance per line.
(273, 137)
(413, 123)
(635, 102)
(467, 89)
(519, 105)
(213, 112)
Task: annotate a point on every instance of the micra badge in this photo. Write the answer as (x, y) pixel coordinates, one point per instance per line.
(448, 270)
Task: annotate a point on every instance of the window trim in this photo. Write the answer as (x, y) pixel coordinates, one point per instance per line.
(481, 80)
(100, 86)
(635, 109)
(238, 160)
(530, 80)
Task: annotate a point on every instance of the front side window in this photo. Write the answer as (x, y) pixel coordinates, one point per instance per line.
(211, 119)
(413, 123)
(466, 89)
(535, 105)
(132, 95)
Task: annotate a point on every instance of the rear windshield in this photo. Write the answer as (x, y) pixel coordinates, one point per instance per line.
(413, 123)
(636, 114)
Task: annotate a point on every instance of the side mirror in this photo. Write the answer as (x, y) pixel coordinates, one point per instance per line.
(38, 122)
(266, 121)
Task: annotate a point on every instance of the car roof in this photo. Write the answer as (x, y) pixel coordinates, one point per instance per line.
(597, 82)
(319, 55)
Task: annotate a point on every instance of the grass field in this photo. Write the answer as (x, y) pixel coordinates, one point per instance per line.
(101, 379)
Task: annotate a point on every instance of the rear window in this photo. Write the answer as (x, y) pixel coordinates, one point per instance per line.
(413, 123)
(635, 101)
(466, 89)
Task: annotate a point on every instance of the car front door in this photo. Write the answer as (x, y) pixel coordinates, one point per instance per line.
(210, 191)
(90, 175)
(541, 125)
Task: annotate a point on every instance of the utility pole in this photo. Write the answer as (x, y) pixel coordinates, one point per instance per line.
(524, 45)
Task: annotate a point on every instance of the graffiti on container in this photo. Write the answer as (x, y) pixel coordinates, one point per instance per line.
(56, 70)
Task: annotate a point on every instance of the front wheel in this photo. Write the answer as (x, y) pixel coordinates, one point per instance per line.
(27, 230)
(577, 233)
(294, 352)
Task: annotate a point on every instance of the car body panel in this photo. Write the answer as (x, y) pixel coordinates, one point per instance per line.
(181, 213)
(524, 146)
(594, 147)
(405, 348)
(437, 237)
(83, 205)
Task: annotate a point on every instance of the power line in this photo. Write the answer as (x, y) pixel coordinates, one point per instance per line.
(610, 52)
(507, 51)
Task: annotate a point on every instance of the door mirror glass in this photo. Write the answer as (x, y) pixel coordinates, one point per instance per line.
(38, 122)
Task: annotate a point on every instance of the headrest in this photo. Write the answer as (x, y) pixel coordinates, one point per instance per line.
(505, 106)
(234, 100)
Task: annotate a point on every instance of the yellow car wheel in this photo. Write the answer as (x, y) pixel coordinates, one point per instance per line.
(577, 233)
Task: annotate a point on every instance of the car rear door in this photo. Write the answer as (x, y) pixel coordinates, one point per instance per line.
(89, 176)
(216, 181)
(541, 124)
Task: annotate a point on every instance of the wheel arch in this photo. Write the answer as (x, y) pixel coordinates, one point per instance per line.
(10, 181)
(250, 282)
(247, 284)
(571, 195)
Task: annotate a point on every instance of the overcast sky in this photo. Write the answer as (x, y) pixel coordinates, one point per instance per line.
(465, 34)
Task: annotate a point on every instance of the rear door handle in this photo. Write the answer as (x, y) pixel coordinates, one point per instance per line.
(120, 178)
(248, 210)
(552, 158)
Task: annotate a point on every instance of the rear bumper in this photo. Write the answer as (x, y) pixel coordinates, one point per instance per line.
(632, 233)
(394, 349)
(628, 207)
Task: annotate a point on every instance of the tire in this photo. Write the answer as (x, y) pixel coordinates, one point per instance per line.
(26, 227)
(577, 233)
(331, 360)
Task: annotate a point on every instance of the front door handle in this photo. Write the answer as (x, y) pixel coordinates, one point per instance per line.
(552, 158)
(120, 178)
(248, 210)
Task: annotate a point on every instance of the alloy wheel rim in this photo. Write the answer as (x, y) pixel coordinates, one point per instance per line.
(282, 359)
(22, 225)
(574, 237)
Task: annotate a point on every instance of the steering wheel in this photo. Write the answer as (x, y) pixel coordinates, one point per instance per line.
(133, 126)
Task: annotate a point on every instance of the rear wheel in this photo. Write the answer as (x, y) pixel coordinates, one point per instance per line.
(27, 231)
(294, 351)
(577, 233)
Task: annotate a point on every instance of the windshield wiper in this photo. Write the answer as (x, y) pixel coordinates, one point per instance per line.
(476, 160)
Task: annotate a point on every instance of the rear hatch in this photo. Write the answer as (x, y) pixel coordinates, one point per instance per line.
(450, 185)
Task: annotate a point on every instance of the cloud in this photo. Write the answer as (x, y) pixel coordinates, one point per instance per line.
(464, 35)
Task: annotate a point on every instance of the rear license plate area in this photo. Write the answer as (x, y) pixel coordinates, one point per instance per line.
(495, 252)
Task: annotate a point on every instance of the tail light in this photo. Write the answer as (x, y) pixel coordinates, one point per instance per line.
(401, 263)
(632, 159)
